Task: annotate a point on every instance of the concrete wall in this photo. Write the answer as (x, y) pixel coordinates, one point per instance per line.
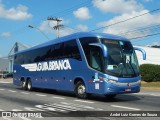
(152, 55)
(4, 64)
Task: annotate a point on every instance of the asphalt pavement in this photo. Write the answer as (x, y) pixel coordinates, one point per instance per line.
(65, 105)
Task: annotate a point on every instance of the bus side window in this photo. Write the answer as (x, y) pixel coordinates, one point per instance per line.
(58, 51)
(95, 58)
(71, 50)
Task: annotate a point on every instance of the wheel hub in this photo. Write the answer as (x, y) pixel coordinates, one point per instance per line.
(81, 89)
(29, 86)
(23, 84)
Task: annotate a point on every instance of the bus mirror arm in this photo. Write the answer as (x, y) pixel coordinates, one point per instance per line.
(142, 51)
(102, 46)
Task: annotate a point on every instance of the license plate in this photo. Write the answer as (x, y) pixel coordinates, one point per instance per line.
(128, 89)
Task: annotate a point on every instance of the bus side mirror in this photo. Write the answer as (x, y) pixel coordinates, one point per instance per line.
(102, 46)
(142, 51)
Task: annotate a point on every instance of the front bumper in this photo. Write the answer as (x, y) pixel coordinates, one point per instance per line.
(122, 88)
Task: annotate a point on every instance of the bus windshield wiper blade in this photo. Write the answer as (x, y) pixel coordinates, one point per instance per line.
(131, 66)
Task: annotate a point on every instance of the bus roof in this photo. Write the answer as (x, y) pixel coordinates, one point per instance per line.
(74, 36)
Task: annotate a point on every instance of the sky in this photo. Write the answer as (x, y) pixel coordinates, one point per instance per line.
(133, 19)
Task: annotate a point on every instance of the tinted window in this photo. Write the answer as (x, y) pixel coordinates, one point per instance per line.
(18, 59)
(71, 50)
(86, 47)
(68, 49)
(57, 51)
(42, 54)
(96, 58)
(28, 57)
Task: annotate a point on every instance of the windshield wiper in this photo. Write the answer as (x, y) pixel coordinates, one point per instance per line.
(124, 65)
(131, 66)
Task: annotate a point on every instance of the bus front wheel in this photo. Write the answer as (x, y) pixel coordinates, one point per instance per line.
(80, 90)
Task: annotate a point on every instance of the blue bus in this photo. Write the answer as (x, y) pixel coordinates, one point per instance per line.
(85, 63)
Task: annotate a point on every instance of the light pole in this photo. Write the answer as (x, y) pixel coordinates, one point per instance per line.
(30, 26)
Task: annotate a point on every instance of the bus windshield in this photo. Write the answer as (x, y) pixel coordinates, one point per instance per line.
(121, 60)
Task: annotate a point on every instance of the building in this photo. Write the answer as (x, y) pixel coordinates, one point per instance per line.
(152, 55)
(6, 64)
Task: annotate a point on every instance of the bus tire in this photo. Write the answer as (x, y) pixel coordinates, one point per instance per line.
(29, 85)
(23, 84)
(80, 90)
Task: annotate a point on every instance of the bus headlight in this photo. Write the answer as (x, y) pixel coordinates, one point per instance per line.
(109, 81)
(112, 81)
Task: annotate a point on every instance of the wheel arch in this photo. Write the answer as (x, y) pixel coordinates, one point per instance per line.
(22, 79)
(28, 78)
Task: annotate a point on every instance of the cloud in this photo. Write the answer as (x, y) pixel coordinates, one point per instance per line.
(15, 13)
(147, 0)
(146, 20)
(127, 9)
(6, 35)
(47, 27)
(65, 31)
(81, 27)
(82, 13)
(117, 6)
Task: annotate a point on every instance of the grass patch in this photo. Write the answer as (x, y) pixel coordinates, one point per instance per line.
(150, 84)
